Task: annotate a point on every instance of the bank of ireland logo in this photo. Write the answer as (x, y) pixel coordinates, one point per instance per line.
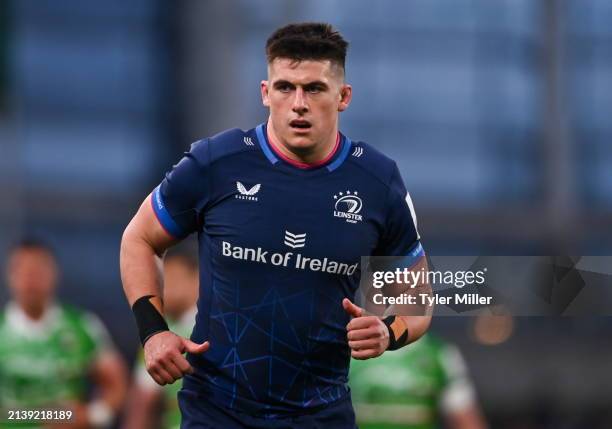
(348, 206)
(247, 194)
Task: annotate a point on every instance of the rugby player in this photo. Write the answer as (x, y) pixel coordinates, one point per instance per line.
(416, 388)
(50, 353)
(283, 212)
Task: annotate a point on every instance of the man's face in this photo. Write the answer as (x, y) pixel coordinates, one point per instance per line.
(304, 98)
(32, 276)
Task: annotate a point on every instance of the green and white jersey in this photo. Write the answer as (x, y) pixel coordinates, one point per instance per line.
(171, 418)
(410, 387)
(46, 362)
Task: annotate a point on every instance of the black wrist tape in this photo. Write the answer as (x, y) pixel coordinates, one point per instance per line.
(398, 332)
(148, 319)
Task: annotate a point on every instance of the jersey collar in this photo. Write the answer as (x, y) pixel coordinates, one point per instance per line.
(335, 160)
(20, 323)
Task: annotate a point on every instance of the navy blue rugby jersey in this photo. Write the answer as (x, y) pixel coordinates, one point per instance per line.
(280, 246)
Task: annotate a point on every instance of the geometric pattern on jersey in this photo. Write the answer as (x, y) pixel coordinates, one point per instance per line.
(277, 329)
(281, 332)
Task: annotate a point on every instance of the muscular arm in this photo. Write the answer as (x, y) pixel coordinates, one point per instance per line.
(142, 247)
(143, 244)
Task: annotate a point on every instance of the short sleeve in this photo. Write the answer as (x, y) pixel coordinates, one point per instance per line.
(458, 393)
(400, 236)
(180, 197)
(98, 333)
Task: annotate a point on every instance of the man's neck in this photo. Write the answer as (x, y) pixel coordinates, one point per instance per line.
(31, 323)
(311, 156)
(33, 313)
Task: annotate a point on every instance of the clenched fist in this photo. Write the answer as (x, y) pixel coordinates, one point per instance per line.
(164, 359)
(368, 336)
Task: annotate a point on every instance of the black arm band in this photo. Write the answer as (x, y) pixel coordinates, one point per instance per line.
(398, 332)
(148, 319)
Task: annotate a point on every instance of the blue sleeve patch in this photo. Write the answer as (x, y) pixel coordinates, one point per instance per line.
(163, 216)
(416, 253)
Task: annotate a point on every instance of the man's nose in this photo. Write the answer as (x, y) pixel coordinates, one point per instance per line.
(299, 102)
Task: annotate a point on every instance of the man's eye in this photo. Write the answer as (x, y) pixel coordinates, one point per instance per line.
(284, 88)
(314, 90)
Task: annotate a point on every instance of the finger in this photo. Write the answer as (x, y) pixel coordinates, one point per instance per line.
(362, 334)
(364, 344)
(182, 364)
(172, 369)
(351, 308)
(364, 354)
(158, 379)
(165, 371)
(363, 322)
(161, 376)
(165, 376)
(195, 348)
(155, 376)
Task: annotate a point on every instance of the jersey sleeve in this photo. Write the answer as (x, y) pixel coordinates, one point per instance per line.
(179, 199)
(458, 393)
(400, 236)
(98, 333)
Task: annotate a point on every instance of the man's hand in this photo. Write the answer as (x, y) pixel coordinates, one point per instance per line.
(368, 336)
(164, 359)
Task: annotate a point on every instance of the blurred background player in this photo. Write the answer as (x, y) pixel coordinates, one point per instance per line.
(147, 398)
(414, 388)
(51, 354)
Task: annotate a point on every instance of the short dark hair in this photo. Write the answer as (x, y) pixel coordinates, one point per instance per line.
(307, 41)
(32, 243)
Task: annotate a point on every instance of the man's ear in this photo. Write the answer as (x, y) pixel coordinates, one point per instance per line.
(265, 98)
(346, 94)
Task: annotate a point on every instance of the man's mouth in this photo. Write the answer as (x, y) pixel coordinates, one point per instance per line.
(300, 124)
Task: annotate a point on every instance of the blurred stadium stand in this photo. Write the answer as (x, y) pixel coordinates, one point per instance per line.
(87, 134)
(497, 112)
